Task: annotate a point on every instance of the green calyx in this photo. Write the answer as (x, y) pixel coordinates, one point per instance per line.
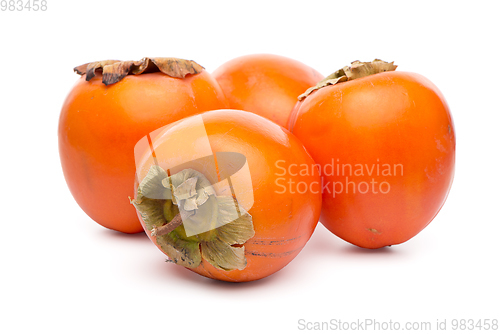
(356, 70)
(213, 227)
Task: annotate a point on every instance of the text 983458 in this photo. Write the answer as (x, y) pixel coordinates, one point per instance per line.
(23, 5)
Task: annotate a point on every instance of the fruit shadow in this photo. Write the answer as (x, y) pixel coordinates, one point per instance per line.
(325, 244)
(140, 237)
(193, 278)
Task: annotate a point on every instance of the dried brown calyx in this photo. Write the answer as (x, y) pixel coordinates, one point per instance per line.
(356, 70)
(115, 70)
(191, 222)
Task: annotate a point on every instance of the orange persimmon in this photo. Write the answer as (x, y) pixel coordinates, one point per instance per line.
(108, 111)
(385, 142)
(265, 84)
(243, 161)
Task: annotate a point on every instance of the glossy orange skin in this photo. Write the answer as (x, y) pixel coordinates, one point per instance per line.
(283, 221)
(99, 126)
(387, 118)
(265, 84)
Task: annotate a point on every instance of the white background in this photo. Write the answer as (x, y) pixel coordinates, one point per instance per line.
(63, 273)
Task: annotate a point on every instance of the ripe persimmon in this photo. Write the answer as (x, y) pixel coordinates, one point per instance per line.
(385, 142)
(108, 111)
(226, 173)
(265, 84)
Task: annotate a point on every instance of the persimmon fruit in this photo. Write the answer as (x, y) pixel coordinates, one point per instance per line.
(385, 144)
(265, 84)
(236, 159)
(109, 109)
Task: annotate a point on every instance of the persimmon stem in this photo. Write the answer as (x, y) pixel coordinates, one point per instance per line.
(356, 70)
(167, 228)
